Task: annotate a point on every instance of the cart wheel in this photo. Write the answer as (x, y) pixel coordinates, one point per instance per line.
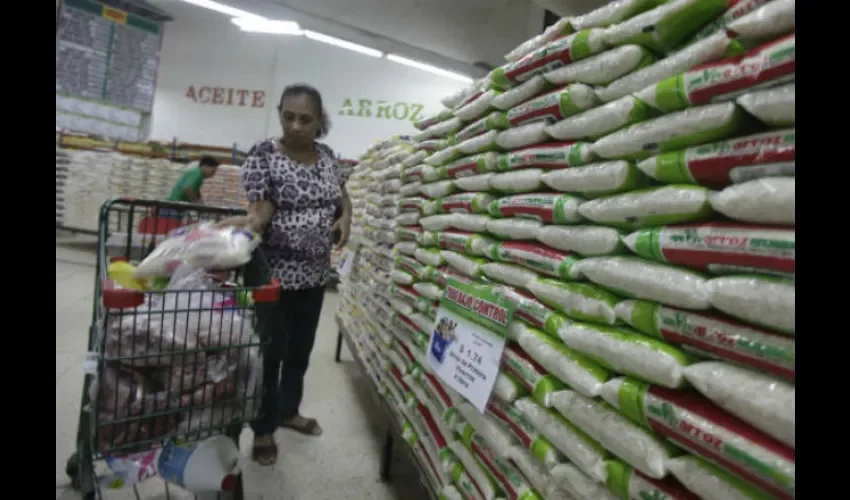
(72, 466)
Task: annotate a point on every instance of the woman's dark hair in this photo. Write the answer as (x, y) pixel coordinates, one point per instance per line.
(304, 89)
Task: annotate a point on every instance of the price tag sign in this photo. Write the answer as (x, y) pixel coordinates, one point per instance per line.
(468, 337)
(346, 262)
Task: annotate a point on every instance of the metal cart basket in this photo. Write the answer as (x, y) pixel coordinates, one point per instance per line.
(168, 364)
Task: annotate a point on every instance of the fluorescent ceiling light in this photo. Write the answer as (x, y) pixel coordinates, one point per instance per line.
(318, 37)
(429, 68)
(267, 26)
(224, 9)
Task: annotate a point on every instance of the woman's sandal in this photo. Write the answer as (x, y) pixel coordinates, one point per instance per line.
(265, 454)
(310, 427)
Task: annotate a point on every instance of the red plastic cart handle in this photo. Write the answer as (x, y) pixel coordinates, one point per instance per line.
(115, 297)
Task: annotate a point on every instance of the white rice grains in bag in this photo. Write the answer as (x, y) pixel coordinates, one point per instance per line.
(762, 300)
(600, 121)
(756, 398)
(465, 203)
(639, 278)
(429, 290)
(532, 376)
(736, 9)
(401, 277)
(775, 107)
(551, 208)
(481, 483)
(438, 222)
(769, 200)
(768, 22)
(475, 108)
(626, 482)
(612, 12)
(443, 156)
(522, 136)
(479, 144)
(529, 438)
(405, 247)
(508, 274)
(468, 166)
(583, 240)
(551, 106)
(650, 207)
(581, 301)
(513, 229)
(597, 179)
(531, 468)
(507, 388)
(519, 94)
(437, 189)
(428, 256)
(518, 181)
(474, 183)
(577, 483)
(536, 257)
(474, 223)
(554, 155)
(470, 266)
(493, 121)
(712, 336)
(603, 68)
(710, 482)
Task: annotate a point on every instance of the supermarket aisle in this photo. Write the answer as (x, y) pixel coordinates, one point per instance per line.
(343, 463)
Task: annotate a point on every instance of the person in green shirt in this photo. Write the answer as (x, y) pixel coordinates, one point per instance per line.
(188, 186)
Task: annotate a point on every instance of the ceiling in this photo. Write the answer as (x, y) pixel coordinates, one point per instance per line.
(452, 34)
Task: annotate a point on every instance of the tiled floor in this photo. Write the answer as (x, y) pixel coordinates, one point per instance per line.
(341, 464)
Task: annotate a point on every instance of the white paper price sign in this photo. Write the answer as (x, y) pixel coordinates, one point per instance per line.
(346, 262)
(467, 340)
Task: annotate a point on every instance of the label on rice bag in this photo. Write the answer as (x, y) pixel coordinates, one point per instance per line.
(412, 204)
(769, 64)
(719, 164)
(455, 240)
(580, 301)
(426, 422)
(548, 155)
(551, 56)
(719, 247)
(429, 121)
(465, 203)
(737, 8)
(408, 233)
(408, 324)
(405, 293)
(443, 274)
(532, 376)
(551, 107)
(493, 121)
(469, 166)
(537, 257)
(697, 425)
(627, 483)
(530, 310)
(550, 208)
(411, 266)
(432, 145)
(514, 484)
(712, 335)
(512, 418)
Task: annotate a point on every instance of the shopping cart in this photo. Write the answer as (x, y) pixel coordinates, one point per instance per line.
(144, 387)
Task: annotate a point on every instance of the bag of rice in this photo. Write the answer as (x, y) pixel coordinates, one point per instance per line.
(508, 274)
(578, 485)
(476, 108)
(412, 204)
(405, 247)
(664, 27)
(517, 181)
(488, 141)
(761, 300)
(438, 222)
(551, 208)
(536, 257)
(759, 399)
(407, 219)
(428, 239)
(464, 483)
(530, 468)
(600, 121)
(769, 200)
(706, 50)
(469, 166)
(474, 223)
(674, 131)
(414, 159)
(639, 278)
(612, 12)
(583, 240)
(401, 277)
(553, 55)
(466, 203)
(552, 106)
(433, 119)
(769, 21)
(428, 256)
(442, 157)
(693, 423)
(627, 483)
(520, 93)
(408, 233)
(511, 480)
(719, 247)
(513, 229)
(597, 179)
(511, 418)
(437, 189)
(432, 145)
(733, 161)
(445, 128)
(737, 8)
(443, 274)
(481, 482)
(532, 376)
(712, 336)
(525, 47)
(630, 442)
(470, 266)
(650, 207)
(428, 290)
(507, 388)
(482, 432)
(522, 136)
(529, 310)
(581, 301)
(493, 121)
(767, 65)
(712, 483)
(405, 293)
(774, 106)
(603, 68)
(554, 155)
(474, 183)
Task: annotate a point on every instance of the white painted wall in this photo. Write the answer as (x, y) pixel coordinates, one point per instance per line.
(203, 48)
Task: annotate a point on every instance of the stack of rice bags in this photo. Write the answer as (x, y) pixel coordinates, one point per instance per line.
(62, 162)
(670, 136)
(87, 187)
(225, 189)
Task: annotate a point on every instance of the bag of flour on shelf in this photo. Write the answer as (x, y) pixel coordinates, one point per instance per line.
(469, 166)
(552, 106)
(466, 203)
(706, 50)
(401, 277)
(581, 301)
(583, 240)
(761, 201)
(488, 141)
(603, 68)
(553, 55)
(477, 107)
(768, 22)
(753, 455)
(633, 444)
(517, 181)
(439, 222)
(522, 136)
(536, 257)
(774, 107)
(412, 204)
(473, 223)
(532, 376)
(625, 482)
(610, 13)
(768, 65)
(719, 247)
(577, 483)
(442, 157)
(509, 417)
(650, 207)
(437, 189)
(762, 300)
(582, 374)
(759, 399)
(508, 389)
(733, 161)
(481, 481)
(666, 26)
(493, 121)
(674, 131)
(513, 229)
(551, 208)
(601, 121)
(550, 155)
(710, 482)
(639, 278)
(508, 274)
(597, 179)
(712, 335)
(474, 183)
(405, 247)
(470, 266)
(407, 219)
(428, 256)
(520, 93)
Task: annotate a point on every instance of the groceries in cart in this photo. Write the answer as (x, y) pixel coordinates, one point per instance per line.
(201, 245)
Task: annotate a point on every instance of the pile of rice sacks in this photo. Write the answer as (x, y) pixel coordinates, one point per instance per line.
(627, 180)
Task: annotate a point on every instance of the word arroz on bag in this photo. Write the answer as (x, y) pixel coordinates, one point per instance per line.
(551, 208)
(551, 155)
(552, 106)
(536, 257)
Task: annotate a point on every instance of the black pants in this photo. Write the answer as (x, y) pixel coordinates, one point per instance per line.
(292, 329)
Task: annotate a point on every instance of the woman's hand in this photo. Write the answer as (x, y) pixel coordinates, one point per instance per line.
(343, 225)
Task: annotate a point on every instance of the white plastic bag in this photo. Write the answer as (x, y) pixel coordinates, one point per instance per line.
(584, 240)
(517, 181)
(762, 300)
(761, 201)
(474, 183)
(524, 135)
(650, 207)
(597, 178)
(600, 121)
(775, 18)
(774, 107)
(513, 228)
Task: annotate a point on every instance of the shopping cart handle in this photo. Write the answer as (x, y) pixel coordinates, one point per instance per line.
(267, 293)
(120, 298)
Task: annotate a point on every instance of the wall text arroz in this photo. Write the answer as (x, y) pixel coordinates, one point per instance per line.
(387, 110)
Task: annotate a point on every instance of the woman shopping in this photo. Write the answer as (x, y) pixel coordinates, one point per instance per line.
(295, 188)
